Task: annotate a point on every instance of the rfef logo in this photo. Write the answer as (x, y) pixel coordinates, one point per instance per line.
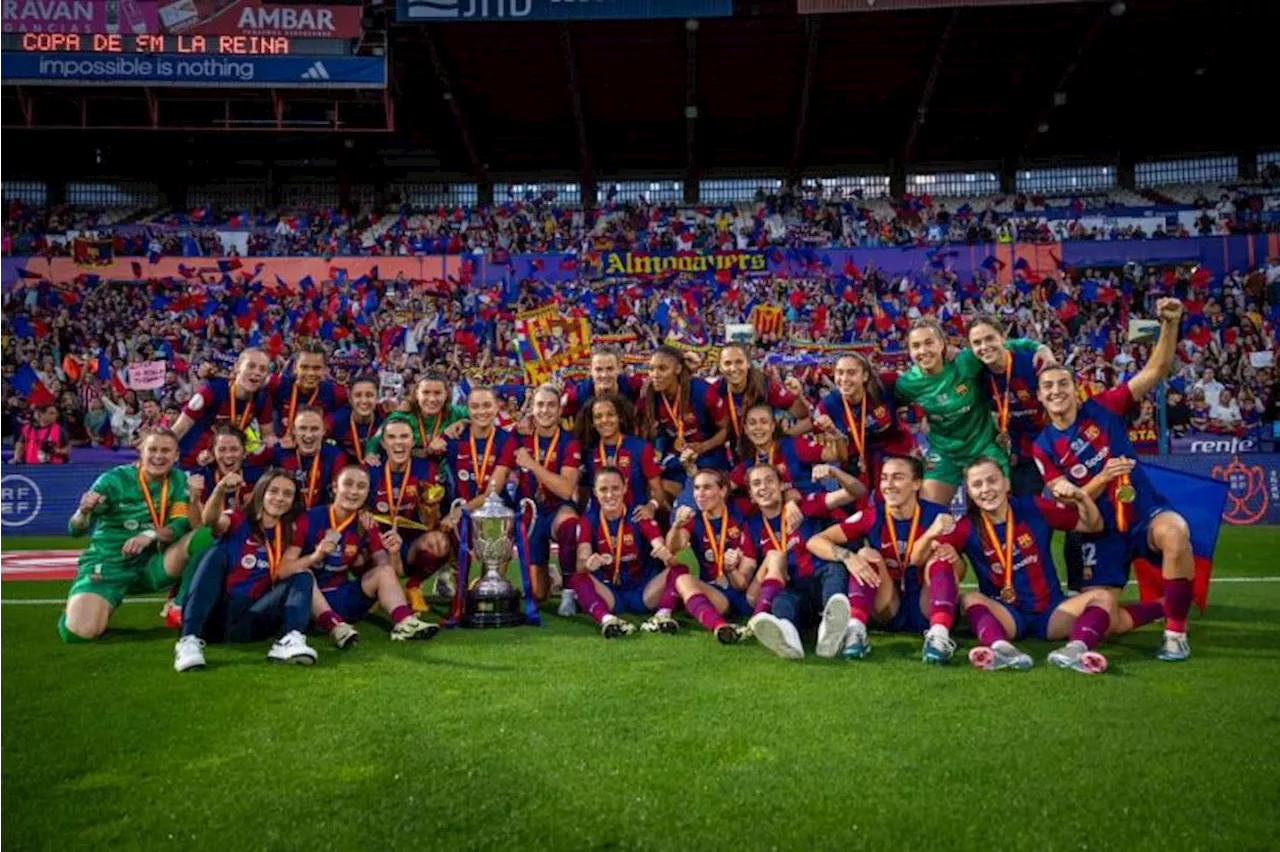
(1247, 498)
(20, 501)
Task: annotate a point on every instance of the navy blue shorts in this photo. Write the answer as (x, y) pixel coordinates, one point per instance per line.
(540, 534)
(1101, 559)
(908, 618)
(629, 598)
(738, 603)
(1031, 625)
(349, 600)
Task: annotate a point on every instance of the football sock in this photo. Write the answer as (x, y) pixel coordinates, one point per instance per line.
(400, 613)
(1144, 612)
(1091, 626)
(328, 619)
(861, 599)
(567, 541)
(701, 608)
(589, 599)
(985, 625)
(769, 590)
(942, 594)
(1177, 603)
(670, 597)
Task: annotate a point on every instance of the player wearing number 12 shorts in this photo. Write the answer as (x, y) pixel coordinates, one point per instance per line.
(1087, 444)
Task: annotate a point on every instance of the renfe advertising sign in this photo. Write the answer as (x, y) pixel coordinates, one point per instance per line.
(424, 11)
(179, 17)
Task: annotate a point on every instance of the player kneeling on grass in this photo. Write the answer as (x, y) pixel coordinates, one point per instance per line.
(1007, 540)
(139, 519)
(619, 560)
(355, 566)
(242, 589)
(726, 581)
(887, 586)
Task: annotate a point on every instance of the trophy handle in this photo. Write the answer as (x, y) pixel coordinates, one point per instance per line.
(533, 509)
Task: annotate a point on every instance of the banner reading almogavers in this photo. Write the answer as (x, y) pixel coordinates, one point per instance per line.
(185, 17)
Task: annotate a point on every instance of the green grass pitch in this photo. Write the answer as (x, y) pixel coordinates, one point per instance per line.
(556, 739)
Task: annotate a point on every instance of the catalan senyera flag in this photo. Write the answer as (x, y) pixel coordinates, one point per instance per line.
(767, 319)
(1200, 501)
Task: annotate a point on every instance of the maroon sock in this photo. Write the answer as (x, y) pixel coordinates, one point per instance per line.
(1177, 603)
(701, 608)
(862, 599)
(589, 600)
(400, 613)
(985, 625)
(1091, 626)
(943, 594)
(1144, 612)
(769, 590)
(328, 620)
(670, 597)
(567, 541)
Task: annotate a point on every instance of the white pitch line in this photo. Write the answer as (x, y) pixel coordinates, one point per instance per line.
(51, 601)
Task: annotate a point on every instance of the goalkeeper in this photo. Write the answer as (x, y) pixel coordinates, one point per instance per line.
(138, 522)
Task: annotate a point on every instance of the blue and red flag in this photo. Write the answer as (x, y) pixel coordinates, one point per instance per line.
(27, 382)
(1200, 501)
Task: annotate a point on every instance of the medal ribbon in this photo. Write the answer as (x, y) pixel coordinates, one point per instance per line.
(545, 461)
(157, 519)
(674, 414)
(275, 554)
(615, 547)
(718, 551)
(1005, 554)
(244, 421)
(356, 440)
(435, 430)
(293, 404)
(391, 493)
(235, 498)
(911, 540)
(481, 472)
(309, 497)
(733, 409)
(1002, 400)
(858, 430)
(782, 526)
(604, 460)
(1122, 517)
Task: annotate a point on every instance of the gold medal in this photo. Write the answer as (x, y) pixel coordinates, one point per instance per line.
(1008, 595)
(1126, 493)
(1004, 442)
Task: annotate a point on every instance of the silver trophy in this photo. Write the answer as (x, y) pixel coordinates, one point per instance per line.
(492, 601)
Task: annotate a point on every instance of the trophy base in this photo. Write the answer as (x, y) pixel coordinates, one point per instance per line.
(493, 611)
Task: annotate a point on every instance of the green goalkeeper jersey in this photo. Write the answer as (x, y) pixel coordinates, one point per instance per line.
(124, 513)
(960, 421)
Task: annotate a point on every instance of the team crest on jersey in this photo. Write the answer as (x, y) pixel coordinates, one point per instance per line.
(464, 475)
(961, 390)
(628, 540)
(1091, 432)
(1025, 540)
(1078, 471)
(734, 532)
(879, 412)
(249, 561)
(131, 525)
(350, 551)
(384, 506)
(1024, 394)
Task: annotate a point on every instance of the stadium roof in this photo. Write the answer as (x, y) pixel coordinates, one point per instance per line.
(782, 92)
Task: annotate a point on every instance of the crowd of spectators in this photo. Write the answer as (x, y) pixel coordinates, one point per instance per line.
(539, 223)
(80, 340)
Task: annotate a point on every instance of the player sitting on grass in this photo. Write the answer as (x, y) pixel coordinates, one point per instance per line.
(776, 540)
(1007, 540)
(139, 519)
(243, 590)
(725, 584)
(619, 560)
(887, 586)
(355, 566)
